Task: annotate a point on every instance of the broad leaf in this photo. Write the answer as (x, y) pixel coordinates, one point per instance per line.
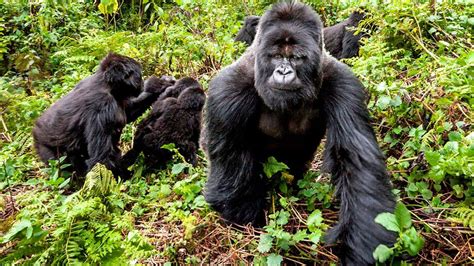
(403, 216)
(265, 243)
(388, 220)
(382, 253)
(272, 166)
(274, 260)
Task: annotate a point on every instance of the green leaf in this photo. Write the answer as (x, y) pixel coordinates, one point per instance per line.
(403, 216)
(426, 194)
(388, 220)
(315, 237)
(383, 102)
(412, 242)
(382, 253)
(315, 220)
(299, 235)
(165, 190)
(455, 136)
(283, 217)
(17, 228)
(395, 102)
(178, 168)
(265, 243)
(169, 146)
(274, 260)
(412, 187)
(272, 166)
(432, 157)
(452, 146)
(108, 6)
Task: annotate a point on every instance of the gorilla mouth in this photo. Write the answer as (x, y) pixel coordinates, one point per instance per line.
(285, 87)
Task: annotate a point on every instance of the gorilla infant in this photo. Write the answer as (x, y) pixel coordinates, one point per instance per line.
(175, 118)
(85, 125)
(339, 40)
(279, 99)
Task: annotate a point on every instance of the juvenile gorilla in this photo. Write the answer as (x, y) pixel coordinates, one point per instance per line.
(279, 99)
(172, 120)
(86, 123)
(339, 40)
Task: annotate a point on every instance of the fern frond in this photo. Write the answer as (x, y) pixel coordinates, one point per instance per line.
(464, 215)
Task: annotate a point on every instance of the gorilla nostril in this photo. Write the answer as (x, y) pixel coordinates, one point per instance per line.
(284, 71)
(287, 71)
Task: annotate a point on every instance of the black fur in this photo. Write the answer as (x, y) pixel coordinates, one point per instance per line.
(339, 40)
(249, 119)
(247, 33)
(175, 118)
(86, 123)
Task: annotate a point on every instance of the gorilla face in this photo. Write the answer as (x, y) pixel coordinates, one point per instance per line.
(288, 55)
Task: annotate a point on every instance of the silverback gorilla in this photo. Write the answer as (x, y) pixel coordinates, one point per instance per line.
(339, 40)
(86, 123)
(175, 118)
(279, 99)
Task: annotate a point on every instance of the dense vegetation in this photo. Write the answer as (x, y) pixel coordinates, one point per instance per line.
(418, 66)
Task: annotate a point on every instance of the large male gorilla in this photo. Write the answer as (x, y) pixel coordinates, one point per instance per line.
(86, 123)
(175, 118)
(279, 99)
(339, 40)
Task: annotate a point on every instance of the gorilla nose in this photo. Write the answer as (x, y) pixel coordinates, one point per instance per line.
(284, 75)
(284, 71)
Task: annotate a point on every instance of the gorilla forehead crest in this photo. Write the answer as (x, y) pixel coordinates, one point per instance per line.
(291, 23)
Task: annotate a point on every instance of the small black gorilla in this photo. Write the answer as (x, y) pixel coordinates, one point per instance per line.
(86, 123)
(339, 40)
(279, 99)
(247, 33)
(172, 120)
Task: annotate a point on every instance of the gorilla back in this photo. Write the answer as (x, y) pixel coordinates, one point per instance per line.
(280, 99)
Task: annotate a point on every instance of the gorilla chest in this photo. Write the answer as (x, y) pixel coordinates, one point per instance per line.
(280, 126)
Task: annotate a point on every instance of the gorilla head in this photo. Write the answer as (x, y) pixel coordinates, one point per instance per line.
(247, 33)
(123, 74)
(288, 55)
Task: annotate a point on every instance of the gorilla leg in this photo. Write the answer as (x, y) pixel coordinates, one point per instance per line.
(129, 158)
(236, 190)
(188, 150)
(234, 187)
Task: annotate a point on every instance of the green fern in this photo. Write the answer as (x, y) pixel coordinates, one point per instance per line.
(464, 215)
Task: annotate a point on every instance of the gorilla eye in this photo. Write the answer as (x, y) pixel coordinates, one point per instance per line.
(277, 56)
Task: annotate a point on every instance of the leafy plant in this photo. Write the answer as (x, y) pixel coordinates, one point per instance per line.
(408, 239)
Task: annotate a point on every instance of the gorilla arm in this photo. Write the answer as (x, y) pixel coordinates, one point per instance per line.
(102, 133)
(356, 163)
(234, 187)
(154, 87)
(137, 106)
